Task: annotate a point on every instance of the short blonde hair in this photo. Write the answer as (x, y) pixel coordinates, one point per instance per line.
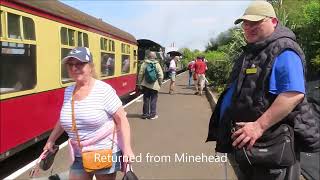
(93, 70)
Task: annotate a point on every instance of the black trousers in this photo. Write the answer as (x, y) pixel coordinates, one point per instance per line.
(150, 98)
(259, 173)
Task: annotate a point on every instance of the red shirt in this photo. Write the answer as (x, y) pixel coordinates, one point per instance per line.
(200, 67)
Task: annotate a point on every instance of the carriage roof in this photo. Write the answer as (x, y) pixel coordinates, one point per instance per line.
(64, 11)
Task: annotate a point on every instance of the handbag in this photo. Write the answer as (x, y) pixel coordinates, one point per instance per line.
(129, 175)
(274, 149)
(89, 157)
(44, 161)
(47, 158)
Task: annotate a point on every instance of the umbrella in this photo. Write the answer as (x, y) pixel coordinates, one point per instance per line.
(174, 53)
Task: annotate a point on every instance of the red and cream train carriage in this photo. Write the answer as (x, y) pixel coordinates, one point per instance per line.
(35, 35)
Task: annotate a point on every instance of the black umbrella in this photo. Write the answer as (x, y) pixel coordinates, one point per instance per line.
(174, 53)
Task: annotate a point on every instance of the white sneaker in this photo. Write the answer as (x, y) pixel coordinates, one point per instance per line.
(154, 117)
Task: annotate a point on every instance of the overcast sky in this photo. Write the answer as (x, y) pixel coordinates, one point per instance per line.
(186, 23)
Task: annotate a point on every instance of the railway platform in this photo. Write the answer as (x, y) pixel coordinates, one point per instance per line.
(170, 147)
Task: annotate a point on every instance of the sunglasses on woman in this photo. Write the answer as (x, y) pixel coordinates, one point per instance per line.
(78, 65)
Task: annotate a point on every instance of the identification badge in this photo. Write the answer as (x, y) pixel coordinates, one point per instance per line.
(251, 70)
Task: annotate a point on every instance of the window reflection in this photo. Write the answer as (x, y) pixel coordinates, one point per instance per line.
(107, 64)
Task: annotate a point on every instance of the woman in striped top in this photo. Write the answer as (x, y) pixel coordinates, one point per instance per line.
(97, 109)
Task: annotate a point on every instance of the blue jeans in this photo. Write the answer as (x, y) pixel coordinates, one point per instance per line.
(190, 77)
(150, 98)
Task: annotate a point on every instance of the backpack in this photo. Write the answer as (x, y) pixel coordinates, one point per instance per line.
(150, 73)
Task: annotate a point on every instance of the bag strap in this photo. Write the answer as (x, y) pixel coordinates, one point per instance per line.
(74, 124)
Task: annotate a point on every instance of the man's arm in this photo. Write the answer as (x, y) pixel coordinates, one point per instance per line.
(280, 108)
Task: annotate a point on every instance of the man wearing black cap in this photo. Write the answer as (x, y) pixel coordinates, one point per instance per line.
(266, 88)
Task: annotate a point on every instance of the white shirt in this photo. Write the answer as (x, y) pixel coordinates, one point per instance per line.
(91, 113)
(172, 66)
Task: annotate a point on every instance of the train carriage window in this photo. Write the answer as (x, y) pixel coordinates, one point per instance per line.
(123, 48)
(80, 39)
(110, 42)
(71, 37)
(103, 44)
(64, 36)
(85, 40)
(64, 72)
(135, 54)
(28, 28)
(14, 26)
(107, 64)
(17, 67)
(128, 49)
(125, 64)
(125, 59)
(107, 45)
(111, 46)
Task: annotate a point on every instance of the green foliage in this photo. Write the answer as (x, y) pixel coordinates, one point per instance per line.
(229, 42)
(218, 72)
(187, 56)
(307, 31)
(215, 55)
(303, 17)
(315, 63)
(229, 49)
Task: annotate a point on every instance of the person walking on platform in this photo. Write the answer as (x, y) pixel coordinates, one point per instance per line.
(93, 117)
(191, 71)
(150, 79)
(265, 97)
(172, 73)
(200, 68)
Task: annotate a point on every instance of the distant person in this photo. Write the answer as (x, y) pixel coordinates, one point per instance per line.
(199, 69)
(191, 71)
(172, 73)
(110, 66)
(126, 65)
(150, 78)
(98, 112)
